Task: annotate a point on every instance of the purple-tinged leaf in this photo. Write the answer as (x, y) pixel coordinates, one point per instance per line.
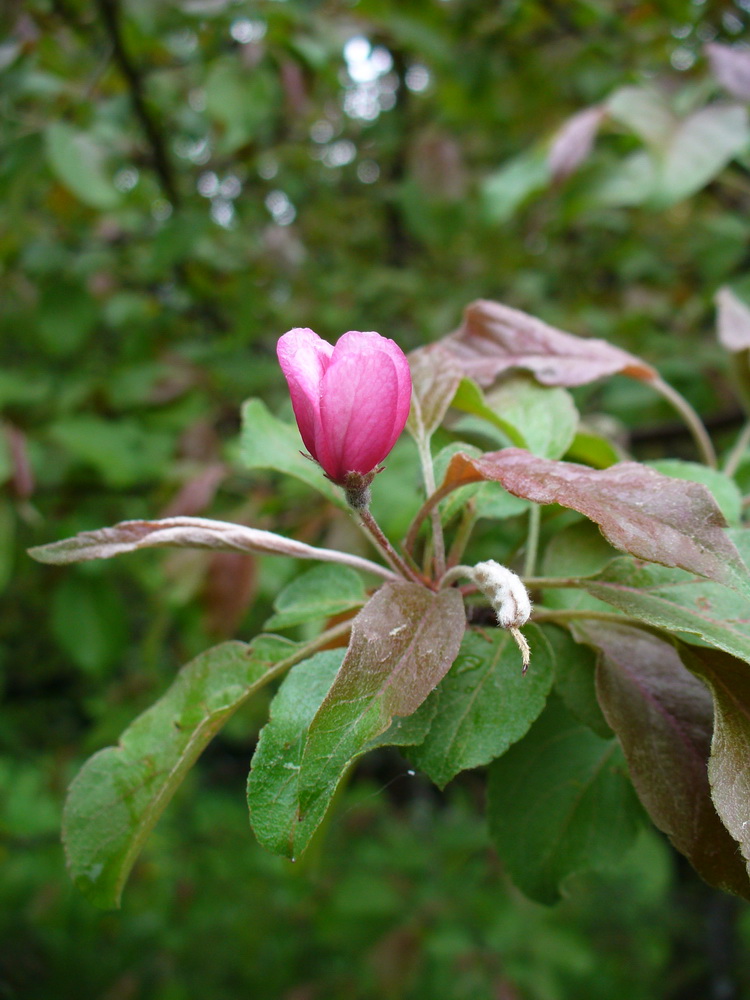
(731, 67)
(435, 378)
(403, 643)
(728, 767)
(493, 338)
(640, 511)
(573, 142)
(189, 533)
(663, 717)
(733, 319)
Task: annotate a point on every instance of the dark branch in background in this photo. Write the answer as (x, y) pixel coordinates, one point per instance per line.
(109, 10)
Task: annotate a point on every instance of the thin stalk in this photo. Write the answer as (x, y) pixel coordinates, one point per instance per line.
(737, 453)
(547, 582)
(427, 507)
(463, 534)
(456, 573)
(428, 473)
(375, 532)
(572, 614)
(691, 418)
(532, 540)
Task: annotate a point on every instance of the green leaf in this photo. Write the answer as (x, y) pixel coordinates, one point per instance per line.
(729, 681)
(663, 718)
(724, 490)
(319, 593)
(87, 621)
(575, 679)
(559, 803)
(403, 643)
(123, 452)
(242, 99)
(505, 190)
(674, 600)
(67, 315)
(469, 398)
(590, 448)
(486, 702)
(77, 161)
(119, 794)
(273, 783)
(268, 443)
(544, 417)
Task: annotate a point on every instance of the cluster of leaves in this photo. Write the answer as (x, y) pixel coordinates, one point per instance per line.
(564, 742)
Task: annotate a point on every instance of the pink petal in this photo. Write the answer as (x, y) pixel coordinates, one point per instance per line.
(304, 358)
(365, 400)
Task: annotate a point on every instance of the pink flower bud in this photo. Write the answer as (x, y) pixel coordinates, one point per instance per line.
(351, 401)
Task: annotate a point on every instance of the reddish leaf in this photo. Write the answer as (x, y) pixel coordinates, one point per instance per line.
(652, 516)
(731, 67)
(729, 680)
(493, 338)
(663, 717)
(572, 144)
(403, 642)
(197, 493)
(190, 533)
(435, 378)
(733, 320)
(23, 474)
(229, 588)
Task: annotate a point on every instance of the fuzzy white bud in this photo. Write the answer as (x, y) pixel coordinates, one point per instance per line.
(509, 598)
(505, 591)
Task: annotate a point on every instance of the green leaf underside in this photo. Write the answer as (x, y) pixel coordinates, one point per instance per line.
(119, 794)
(486, 702)
(677, 601)
(320, 593)
(728, 773)
(268, 443)
(663, 717)
(403, 642)
(273, 783)
(559, 803)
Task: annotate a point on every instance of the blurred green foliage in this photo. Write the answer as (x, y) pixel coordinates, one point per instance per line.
(181, 183)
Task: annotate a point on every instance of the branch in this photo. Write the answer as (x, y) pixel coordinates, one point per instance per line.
(109, 10)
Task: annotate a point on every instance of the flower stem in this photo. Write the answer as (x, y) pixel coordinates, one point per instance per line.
(691, 418)
(463, 533)
(375, 532)
(737, 453)
(532, 541)
(428, 473)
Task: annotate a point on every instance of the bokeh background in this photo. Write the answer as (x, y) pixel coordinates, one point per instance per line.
(182, 181)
